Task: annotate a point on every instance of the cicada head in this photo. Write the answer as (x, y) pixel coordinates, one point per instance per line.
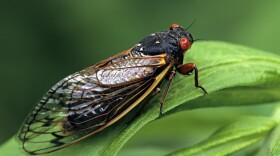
(175, 42)
(184, 39)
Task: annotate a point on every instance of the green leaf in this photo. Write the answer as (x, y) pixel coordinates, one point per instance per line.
(276, 148)
(271, 145)
(239, 134)
(233, 75)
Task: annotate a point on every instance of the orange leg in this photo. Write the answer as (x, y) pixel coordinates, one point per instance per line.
(186, 69)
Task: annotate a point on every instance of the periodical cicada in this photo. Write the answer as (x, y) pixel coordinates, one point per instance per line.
(90, 100)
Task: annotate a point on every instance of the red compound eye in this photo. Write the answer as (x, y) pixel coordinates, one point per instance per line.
(185, 44)
(174, 26)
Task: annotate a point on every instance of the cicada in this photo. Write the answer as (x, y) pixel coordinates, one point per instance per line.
(90, 100)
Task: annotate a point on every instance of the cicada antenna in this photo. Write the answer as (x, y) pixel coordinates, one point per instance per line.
(200, 40)
(191, 24)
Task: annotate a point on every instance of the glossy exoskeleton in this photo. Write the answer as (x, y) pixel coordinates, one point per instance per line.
(90, 100)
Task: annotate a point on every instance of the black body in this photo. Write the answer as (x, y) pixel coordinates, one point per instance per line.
(164, 42)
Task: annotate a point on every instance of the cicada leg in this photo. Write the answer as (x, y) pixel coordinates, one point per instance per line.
(149, 98)
(167, 87)
(186, 69)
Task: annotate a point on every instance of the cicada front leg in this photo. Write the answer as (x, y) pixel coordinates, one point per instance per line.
(186, 69)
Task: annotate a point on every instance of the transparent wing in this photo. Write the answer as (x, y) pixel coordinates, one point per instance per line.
(85, 102)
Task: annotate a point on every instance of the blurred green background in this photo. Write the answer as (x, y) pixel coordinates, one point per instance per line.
(43, 41)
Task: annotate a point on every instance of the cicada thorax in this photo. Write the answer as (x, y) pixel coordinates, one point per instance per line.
(110, 88)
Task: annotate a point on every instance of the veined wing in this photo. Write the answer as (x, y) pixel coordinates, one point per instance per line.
(89, 101)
